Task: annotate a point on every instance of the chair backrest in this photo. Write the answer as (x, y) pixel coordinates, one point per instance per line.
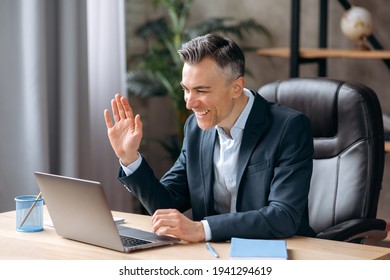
(347, 126)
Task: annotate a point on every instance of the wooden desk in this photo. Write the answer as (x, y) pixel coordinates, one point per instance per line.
(48, 245)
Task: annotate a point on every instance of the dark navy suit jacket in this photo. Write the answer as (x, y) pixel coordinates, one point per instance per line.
(274, 171)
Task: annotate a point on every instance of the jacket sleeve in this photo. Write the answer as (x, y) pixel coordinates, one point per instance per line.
(169, 192)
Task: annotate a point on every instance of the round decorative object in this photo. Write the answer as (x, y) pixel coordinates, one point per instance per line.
(356, 24)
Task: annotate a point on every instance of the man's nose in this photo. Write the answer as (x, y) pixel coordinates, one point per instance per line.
(190, 100)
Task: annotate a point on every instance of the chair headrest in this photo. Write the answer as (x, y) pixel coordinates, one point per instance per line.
(337, 110)
(316, 99)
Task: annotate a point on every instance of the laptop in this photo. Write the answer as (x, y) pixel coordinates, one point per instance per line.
(79, 211)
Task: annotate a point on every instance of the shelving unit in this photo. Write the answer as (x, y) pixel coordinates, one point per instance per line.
(320, 55)
(311, 53)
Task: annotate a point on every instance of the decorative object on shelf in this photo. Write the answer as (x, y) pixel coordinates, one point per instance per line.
(356, 24)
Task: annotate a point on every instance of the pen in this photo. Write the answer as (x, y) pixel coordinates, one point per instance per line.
(211, 249)
(31, 208)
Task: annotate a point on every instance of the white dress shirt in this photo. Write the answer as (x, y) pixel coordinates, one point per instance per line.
(225, 164)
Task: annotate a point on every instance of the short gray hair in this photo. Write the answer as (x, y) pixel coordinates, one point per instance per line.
(225, 52)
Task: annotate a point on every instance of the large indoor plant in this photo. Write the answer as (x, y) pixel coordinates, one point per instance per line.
(157, 71)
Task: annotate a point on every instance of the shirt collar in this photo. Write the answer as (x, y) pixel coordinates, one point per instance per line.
(239, 125)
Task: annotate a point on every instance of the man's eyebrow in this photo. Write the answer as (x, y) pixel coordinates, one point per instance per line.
(202, 87)
(196, 87)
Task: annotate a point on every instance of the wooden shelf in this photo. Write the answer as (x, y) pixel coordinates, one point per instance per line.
(311, 53)
(387, 146)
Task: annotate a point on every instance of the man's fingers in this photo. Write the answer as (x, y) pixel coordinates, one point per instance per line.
(108, 119)
(114, 109)
(166, 231)
(128, 111)
(121, 110)
(164, 218)
(163, 212)
(165, 224)
(138, 124)
(172, 222)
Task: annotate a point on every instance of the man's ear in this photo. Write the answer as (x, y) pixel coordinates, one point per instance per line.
(238, 86)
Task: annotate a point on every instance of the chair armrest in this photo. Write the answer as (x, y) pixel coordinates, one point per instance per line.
(356, 228)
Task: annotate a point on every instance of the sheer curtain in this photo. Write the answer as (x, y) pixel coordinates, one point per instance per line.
(61, 61)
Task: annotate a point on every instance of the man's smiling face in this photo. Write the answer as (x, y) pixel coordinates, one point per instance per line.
(209, 94)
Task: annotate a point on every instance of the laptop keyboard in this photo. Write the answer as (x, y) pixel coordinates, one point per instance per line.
(132, 241)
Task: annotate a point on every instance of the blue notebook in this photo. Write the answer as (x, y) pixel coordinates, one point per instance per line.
(242, 248)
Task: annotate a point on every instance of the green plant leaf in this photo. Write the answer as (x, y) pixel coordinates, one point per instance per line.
(144, 84)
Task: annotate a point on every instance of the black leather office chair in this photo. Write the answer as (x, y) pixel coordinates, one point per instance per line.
(347, 127)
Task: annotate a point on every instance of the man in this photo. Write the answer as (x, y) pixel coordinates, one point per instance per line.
(245, 165)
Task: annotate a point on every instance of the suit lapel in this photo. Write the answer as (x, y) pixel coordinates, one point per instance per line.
(207, 145)
(257, 124)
